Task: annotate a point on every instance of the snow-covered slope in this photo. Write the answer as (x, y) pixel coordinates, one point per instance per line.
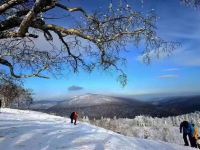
(88, 100)
(28, 130)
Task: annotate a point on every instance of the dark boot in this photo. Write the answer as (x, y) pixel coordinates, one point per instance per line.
(193, 142)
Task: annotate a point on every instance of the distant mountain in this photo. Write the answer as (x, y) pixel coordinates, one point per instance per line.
(41, 105)
(88, 100)
(179, 105)
(96, 106)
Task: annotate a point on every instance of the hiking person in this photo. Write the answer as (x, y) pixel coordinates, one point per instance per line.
(74, 116)
(186, 129)
(195, 135)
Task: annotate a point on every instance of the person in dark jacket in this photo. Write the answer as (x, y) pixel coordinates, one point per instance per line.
(186, 129)
(74, 116)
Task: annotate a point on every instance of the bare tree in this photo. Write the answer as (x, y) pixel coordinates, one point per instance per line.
(24, 98)
(8, 92)
(13, 94)
(94, 42)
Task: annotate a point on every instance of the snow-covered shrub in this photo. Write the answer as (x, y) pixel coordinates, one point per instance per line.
(164, 129)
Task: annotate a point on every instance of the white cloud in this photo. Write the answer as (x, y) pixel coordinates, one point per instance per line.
(169, 76)
(187, 58)
(171, 69)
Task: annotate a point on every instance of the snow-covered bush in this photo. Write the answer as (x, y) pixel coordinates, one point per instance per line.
(164, 129)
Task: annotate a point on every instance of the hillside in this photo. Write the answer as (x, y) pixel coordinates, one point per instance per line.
(28, 130)
(96, 106)
(88, 100)
(42, 105)
(179, 105)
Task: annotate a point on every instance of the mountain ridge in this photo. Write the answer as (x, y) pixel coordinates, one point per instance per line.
(96, 106)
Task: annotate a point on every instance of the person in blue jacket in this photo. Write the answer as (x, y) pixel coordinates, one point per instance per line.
(188, 130)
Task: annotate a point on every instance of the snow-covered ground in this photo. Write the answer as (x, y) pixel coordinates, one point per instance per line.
(29, 130)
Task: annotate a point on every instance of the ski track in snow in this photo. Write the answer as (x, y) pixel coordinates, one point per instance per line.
(29, 130)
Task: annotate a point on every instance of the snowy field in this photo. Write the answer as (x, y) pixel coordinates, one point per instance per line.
(29, 130)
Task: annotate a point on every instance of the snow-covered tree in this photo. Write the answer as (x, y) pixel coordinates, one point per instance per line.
(96, 41)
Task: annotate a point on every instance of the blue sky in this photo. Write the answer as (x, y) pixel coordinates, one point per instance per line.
(179, 73)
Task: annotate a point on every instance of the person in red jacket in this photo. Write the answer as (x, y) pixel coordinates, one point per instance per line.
(74, 116)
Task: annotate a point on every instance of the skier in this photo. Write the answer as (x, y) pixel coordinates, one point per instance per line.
(186, 129)
(74, 116)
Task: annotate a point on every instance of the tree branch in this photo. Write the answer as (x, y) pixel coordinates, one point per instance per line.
(66, 32)
(10, 34)
(77, 9)
(10, 23)
(9, 4)
(23, 28)
(39, 6)
(10, 66)
(136, 32)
